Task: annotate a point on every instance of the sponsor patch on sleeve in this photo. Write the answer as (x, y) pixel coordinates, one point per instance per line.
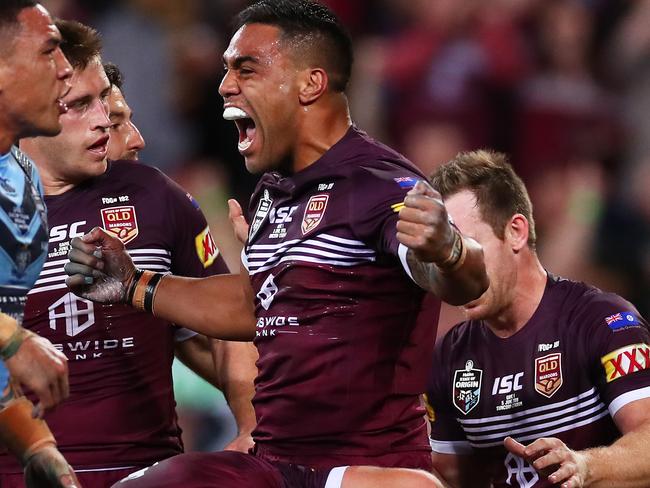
(626, 360)
(206, 248)
(406, 182)
(621, 320)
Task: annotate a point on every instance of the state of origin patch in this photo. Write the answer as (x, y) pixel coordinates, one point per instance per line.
(120, 222)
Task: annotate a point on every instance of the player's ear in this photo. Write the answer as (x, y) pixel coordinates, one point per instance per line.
(517, 232)
(313, 83)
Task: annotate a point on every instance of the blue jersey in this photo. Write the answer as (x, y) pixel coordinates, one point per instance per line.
(23, 231)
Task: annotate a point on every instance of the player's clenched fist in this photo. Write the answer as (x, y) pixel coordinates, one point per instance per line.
(424, 226)
(100, 269)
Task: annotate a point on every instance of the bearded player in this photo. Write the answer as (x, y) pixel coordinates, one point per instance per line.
(121, 415)
(558, 369)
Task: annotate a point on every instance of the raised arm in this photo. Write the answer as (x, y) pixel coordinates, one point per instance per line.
(219, 306)
(440, 258)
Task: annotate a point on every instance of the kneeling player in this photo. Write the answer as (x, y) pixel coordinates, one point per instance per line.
(539, 356)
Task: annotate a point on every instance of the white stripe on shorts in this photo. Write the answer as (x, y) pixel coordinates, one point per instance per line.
(335, 478)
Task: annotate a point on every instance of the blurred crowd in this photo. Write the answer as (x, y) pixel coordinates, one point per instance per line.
(563, 86)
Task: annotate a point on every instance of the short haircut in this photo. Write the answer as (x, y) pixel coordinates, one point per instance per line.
(9, 10)
(499, 192)
(80, 42)
(311, 26)
(114, 75)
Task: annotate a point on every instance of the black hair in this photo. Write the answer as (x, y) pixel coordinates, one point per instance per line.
(114, 75)
(308, 23)
(9, 10)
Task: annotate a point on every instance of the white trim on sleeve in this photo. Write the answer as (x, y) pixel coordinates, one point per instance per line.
(401, 252)
(451, 447)
(620, 401)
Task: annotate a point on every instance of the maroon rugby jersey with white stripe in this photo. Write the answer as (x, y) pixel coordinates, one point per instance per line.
(342, 352)
(121, 410)
(582, 356)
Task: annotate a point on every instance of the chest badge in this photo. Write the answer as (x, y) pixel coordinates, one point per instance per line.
(548, 374)
(314, 212)
(467, 387)
(263, 208)
(121, 222)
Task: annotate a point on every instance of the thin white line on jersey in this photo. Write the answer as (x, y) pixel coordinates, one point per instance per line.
(327, 245)
(49, 264)
(316, 245)
(545, 433)
(51, 271)
(500, 435)
(51, 280)
(451, 447)
(536, 418)
(341, 240)
(138, 259)
(273, 246)
(149, 251)
(77, 470)
(401, 252)
(310, 259)
(154, 266)
(530, 410)
(292, 252)
(628, 397)
(46, 288)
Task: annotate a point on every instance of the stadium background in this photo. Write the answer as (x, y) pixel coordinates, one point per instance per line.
(563, 86)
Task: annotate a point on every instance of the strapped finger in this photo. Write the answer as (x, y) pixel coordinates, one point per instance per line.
(87, 247)
(72, 269)
(82, 257)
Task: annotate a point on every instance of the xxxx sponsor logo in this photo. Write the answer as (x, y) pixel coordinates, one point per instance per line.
(206, 249)
(626, 360)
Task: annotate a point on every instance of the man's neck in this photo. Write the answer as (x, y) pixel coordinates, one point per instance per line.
(529, 290)
(52, 183)
(321, 128)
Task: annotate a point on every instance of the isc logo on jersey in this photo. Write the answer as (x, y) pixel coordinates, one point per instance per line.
(121, 222)
(206, 248)
(626, 360)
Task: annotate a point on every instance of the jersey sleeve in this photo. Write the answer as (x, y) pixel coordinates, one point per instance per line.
(447, 436)
(617, 340)
(195, 252)
(376, 197)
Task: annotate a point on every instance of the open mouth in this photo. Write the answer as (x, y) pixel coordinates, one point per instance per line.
(245, 126)
(100, 146)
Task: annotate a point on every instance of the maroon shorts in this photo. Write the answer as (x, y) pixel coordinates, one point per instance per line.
(88, 479)
(227, 469)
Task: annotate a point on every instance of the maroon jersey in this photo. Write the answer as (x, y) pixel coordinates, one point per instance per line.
(121, 410)
(341, 348)
(582, 356)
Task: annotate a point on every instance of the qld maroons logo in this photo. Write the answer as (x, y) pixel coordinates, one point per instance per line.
(121, 222)
(467, 387)
(548, 374)
(314, 212)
